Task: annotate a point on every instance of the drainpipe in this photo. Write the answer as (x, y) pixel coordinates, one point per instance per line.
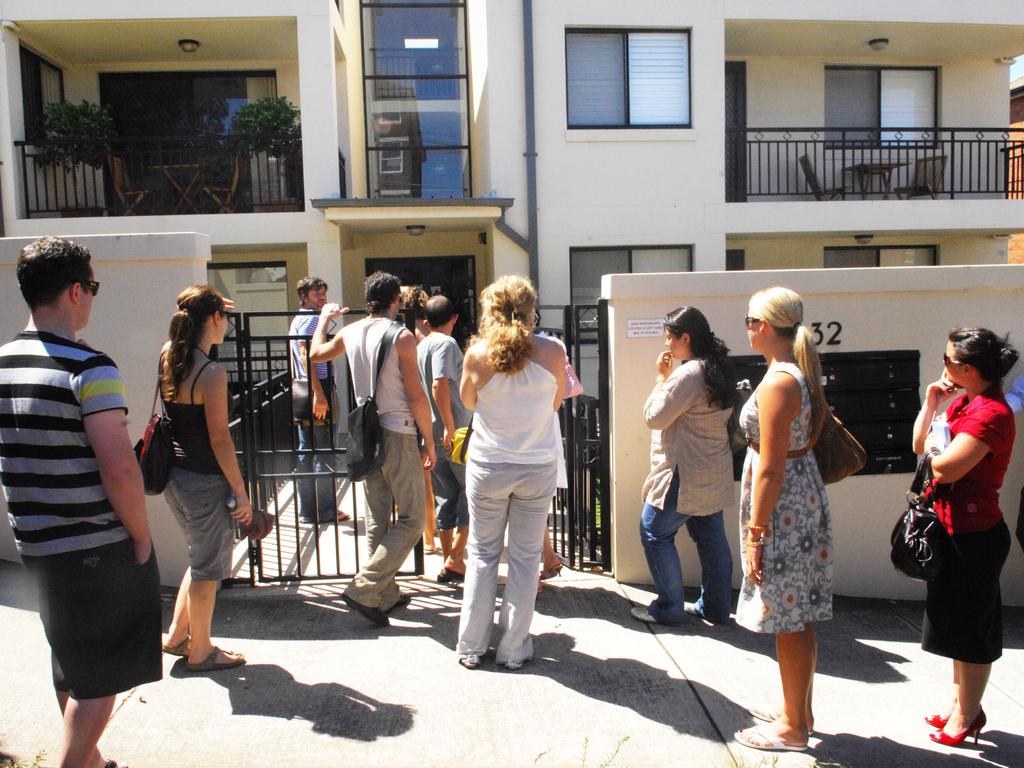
(531, 145)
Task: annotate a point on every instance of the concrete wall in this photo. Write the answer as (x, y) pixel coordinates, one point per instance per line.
(140, 277)
(878, 309)
(808, 253)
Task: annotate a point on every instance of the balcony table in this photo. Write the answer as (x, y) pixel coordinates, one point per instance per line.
(185, 178)
(864, 172)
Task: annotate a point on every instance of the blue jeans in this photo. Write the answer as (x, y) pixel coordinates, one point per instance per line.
(658, 534)
(319, 493)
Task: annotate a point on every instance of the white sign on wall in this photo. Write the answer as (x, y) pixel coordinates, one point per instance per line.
(645, 328)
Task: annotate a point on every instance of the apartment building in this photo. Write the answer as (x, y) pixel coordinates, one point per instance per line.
(454, 140)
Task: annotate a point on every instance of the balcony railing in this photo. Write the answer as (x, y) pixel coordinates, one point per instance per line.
(858, 163)
(161, 176)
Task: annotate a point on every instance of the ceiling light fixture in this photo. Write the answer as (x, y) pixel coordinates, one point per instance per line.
(188, 45)
(1001, 236)
(1007, 60)
(863, 239)
(878, 43)
(415, 229)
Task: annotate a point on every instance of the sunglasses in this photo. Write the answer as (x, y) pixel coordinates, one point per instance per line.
(91, 286)
(948, 361)
(749, 321)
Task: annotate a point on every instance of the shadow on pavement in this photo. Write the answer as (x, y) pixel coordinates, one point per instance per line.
(332, 708)
(840, 654)
(997, 748)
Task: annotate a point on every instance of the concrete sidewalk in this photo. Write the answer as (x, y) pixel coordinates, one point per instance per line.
(322, 688)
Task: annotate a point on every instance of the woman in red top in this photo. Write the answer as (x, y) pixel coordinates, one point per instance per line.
(963, 612)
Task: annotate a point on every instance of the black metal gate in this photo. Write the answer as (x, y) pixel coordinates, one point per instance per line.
(265, 433)
(581, 519)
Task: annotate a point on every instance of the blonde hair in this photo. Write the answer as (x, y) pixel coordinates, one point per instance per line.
(506, 322)
(783, 309)
(195, 304)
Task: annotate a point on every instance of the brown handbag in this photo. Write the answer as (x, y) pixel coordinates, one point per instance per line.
(839, 454)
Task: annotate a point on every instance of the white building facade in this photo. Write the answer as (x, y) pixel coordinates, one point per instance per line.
(454, 141)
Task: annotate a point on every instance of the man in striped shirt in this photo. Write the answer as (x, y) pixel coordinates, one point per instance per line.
(75, 499)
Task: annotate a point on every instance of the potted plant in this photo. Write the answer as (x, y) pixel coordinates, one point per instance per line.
(77, 135)
(270, 129)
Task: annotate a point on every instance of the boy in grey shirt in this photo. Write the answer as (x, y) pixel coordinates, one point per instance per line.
(440, 364)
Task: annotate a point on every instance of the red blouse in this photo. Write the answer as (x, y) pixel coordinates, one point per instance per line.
(971, 503)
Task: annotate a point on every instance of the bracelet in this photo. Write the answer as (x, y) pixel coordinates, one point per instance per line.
(755, 544)
(757, 535)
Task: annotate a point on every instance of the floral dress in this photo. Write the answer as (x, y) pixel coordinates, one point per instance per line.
(796, 587)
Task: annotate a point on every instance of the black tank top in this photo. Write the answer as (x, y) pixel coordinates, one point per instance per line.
(192, 449)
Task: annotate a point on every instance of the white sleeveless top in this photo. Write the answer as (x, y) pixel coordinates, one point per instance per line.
(512, 422)
(362, 340)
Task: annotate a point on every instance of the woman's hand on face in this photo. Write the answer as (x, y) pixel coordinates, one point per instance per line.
(663, 366)
(752, 563)
(938, 391)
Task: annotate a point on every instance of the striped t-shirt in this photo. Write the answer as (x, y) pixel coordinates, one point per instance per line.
(305, 324)
(55, 499)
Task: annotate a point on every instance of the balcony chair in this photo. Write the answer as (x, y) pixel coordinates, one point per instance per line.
(820, 193)
(127, 194)
(224, 196)
(929, 173)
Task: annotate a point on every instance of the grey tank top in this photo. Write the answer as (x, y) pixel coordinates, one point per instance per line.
(362, 340)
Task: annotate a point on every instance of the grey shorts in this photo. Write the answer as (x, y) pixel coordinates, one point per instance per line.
(199, 505)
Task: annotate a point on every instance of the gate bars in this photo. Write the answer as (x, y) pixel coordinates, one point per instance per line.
(581, 519)
(260, 376)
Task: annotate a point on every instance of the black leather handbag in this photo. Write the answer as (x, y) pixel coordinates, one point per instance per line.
(919, 538)
(365, 436)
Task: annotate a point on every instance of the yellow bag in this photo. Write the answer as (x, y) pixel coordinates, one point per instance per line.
(460, 444)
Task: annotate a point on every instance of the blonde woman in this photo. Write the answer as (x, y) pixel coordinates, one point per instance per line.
(513, 380)
(785, 523)
(204, 473)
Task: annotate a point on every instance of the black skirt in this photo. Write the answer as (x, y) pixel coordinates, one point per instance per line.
(963, 617)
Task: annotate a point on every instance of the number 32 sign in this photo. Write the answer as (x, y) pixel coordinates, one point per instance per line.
(827, 333)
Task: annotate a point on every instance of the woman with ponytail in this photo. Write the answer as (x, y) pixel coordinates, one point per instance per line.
(513, 380)
(785, 522)
(204, 475)
(690, 481)
(969, 457)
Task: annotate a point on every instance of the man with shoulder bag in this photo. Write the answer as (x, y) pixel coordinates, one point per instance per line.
(382, 359)
(312, 409)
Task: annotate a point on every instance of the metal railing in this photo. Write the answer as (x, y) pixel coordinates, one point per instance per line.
(859, 163)
(161, 176)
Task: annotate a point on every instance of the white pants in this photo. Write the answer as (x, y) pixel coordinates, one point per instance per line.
(519, 496)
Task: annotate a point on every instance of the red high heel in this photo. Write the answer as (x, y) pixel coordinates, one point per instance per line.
(937, 721)
(941, 737)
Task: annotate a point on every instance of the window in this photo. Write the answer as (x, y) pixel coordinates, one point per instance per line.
(416, 98)
(588, 265)
(147, 104)
(627, 79)
(42, 84)
(883, 256)
(879, 98)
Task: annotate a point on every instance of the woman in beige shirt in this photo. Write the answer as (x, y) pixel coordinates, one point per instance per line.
(690, 481)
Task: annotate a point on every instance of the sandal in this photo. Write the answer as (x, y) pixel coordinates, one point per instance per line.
(550, 573)
(181, 649)
(755, 738)
(210, 663)
(768, 717)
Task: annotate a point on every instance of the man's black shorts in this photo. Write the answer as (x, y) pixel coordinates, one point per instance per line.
(101, 614)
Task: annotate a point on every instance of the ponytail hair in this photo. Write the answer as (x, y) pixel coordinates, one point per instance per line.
(195, 305)
(783, 309)
(506, 322)
(709, 350)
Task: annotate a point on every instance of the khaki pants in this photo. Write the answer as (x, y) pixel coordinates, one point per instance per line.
(399, 480)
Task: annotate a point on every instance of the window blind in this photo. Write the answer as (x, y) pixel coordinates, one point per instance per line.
(595, 79)
(851, 101)
(907, 101)
(659, 78)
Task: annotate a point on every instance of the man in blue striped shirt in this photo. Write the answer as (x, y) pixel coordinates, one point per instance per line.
(75, 499)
